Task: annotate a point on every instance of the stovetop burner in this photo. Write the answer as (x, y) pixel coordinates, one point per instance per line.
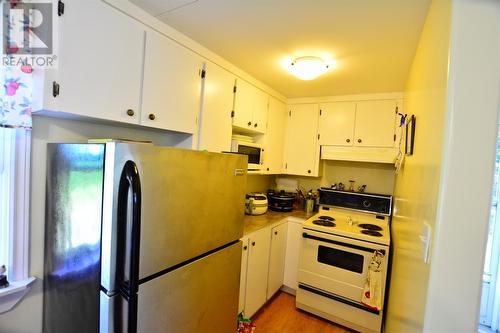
(324, 223)
(371, 227)
(371, 233)
(327, 218)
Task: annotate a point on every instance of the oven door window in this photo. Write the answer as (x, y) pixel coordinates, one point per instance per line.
(342, 259)
(253, 153)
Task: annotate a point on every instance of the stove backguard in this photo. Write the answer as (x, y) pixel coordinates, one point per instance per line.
(364, 202)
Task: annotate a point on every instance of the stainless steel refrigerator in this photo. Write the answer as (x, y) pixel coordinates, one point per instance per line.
(141, 238)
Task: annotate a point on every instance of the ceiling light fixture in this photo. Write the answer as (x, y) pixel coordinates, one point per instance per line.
(308, 68)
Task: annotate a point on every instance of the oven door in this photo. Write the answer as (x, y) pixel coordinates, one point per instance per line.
(336, 264)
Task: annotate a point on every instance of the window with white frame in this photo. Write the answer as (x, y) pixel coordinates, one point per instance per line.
(14, 198)
(15, 142)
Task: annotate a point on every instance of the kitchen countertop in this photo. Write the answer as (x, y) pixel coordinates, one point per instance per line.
(256, 222)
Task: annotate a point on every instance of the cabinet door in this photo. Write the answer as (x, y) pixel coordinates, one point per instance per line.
(260, 111)
(101, 58)
(215, 121)
(277, 259)
(243, 276)
(243, 105)
(302, 148)
(375, 123)
(294, 239)
(172, 85)
(275, 137)
(257, 270)
(336, 123)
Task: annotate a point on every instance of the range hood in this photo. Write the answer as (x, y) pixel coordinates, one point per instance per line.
(359, 154)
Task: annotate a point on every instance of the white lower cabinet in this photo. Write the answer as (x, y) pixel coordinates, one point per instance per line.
(257, 270)
(293, 241)
(263, 265)
(243, 276)
(277, 259)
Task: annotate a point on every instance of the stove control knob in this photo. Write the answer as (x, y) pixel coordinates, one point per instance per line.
(367, 204)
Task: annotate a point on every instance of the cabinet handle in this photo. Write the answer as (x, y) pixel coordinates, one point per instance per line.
(253, 243)
(152, 116)
(130, 112)
(308, 171)
(359, 140)
(267, 169)
(348, 140)
(245, 248)
(249, 123)
(255, 125)
(275, 232)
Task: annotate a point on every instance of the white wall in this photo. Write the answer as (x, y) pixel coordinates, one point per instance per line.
(467, 174)
(26, 317)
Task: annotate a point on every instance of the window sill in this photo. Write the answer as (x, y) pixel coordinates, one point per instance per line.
(11, 295)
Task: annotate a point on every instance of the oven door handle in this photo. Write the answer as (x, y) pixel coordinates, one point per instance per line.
(352, 246)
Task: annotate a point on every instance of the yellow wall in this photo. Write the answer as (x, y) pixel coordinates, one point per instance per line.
(417, 185)
(258, 183)
(378, 177)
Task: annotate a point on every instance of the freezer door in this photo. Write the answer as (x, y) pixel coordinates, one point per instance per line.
(73, 237)
(201, 296)
(192, 202)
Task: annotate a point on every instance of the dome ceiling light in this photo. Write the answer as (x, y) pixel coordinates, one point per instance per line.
(308, 68)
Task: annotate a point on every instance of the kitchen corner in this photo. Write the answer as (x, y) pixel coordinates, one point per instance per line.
(271, 219)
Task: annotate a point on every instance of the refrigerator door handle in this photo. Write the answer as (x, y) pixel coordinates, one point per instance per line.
(128, 246)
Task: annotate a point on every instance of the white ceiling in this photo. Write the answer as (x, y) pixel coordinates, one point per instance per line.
(373, 41)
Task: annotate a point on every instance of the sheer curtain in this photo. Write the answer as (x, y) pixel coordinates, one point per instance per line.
(494, 304)
(15, 142)
(490, 302)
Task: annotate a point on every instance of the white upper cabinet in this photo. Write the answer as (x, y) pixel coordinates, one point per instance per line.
(375, 123)
(275, 137)
(250, 108)
(215, 123)
(358, 124)
(336, 126)
(100, 63)
(171, 86)
(302, 146)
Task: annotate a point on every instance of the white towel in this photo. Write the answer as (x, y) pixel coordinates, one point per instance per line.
(372, 293)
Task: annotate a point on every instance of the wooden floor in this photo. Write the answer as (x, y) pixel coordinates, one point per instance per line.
(280, 315)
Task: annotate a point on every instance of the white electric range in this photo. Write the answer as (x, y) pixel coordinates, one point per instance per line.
(337, 248)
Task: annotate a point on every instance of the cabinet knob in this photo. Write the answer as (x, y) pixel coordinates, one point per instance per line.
(255, 125)
(267, 169)
(275, 232)
(308, 171)
(249, 123)
(151, 116)
(253, 243)
(245, 248)
(359, 140)
(130, 112)
(347, 140)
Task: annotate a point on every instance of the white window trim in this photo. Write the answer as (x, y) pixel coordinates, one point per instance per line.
(19, 193)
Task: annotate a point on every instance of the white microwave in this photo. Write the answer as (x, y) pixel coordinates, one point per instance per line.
(254, 151)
